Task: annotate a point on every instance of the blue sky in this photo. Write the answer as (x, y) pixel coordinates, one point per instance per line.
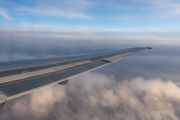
(148, 21)
(90, 14)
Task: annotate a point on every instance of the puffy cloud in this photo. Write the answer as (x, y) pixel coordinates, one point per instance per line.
(39, 103)
(98, 96)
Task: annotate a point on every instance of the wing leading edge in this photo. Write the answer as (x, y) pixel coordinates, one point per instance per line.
(22, 77)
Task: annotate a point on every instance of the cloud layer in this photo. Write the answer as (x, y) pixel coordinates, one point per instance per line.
(97, 96)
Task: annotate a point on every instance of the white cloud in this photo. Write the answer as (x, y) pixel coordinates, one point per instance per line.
(96, 33)
(4, 14)
(62, 8)
(153, 8)
(58, 12)
(169, 7)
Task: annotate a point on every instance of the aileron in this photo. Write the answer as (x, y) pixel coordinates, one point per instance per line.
(116, 57)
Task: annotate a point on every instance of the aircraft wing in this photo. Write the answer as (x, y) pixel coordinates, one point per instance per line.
(18, 78)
